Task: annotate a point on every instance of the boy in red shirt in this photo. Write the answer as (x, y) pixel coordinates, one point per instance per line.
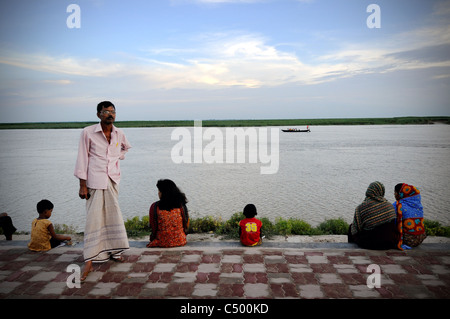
(250, 227)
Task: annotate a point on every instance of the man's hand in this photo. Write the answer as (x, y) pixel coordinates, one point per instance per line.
(83, 192)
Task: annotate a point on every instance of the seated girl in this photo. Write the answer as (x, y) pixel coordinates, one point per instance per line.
(250, 227)
(169, 218)
(409, 211)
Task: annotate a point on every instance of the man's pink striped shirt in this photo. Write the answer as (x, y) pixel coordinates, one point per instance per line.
(97, 159)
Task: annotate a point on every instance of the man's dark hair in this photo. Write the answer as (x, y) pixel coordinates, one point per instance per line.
(104, 104)
(44, 205)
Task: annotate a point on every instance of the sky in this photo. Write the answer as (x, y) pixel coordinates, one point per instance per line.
(223, 59)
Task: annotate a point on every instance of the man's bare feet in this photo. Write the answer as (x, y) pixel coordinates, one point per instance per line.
(87, 270)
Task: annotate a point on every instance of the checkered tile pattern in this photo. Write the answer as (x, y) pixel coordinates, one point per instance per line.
(228, 273)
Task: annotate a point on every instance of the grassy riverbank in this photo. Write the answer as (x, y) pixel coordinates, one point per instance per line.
(137, 227)
(240, 123)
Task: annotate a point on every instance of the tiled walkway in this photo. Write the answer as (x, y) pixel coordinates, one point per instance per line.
(195, 271)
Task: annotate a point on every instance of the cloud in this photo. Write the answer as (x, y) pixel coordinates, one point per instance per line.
(238, 59)
(442, 76)
(441, 9)
(59, 82)
(62, 65)
(422, 48)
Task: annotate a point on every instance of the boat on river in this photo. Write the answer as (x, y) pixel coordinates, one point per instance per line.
(295, 130)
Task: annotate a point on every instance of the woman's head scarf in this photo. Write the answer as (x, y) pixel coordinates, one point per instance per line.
(376, 192)
(375, 210)
(408, 191)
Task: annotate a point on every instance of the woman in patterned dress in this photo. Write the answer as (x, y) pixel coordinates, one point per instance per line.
(169, 218)
(409, 211)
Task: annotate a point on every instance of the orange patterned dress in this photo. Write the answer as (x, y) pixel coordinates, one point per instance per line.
(170, 232)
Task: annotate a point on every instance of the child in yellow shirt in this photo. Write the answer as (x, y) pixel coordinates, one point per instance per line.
(43, 236)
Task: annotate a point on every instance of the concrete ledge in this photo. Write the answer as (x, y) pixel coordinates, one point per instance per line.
(334, 245)
(232, 244)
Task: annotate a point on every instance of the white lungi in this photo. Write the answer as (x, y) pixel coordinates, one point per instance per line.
(105, 233)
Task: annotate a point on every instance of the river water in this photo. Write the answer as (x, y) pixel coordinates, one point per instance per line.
(321, 175)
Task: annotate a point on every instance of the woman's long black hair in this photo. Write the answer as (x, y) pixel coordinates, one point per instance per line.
(171, 196)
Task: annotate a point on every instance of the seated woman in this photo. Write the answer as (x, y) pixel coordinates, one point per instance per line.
(409, 211)
(169, 218)
(374, 225)
(7, 225)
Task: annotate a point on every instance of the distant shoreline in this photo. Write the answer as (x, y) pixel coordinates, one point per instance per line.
(407, 120)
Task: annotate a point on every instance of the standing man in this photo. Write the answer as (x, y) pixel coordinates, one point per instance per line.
(101, 147)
